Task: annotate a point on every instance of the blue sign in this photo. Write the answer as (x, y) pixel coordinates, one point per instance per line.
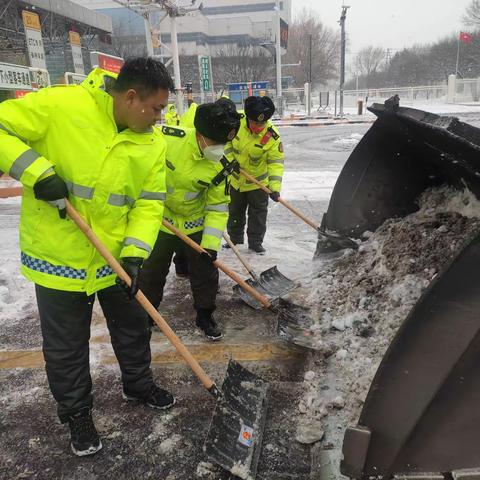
(238, 92)
(244, 86)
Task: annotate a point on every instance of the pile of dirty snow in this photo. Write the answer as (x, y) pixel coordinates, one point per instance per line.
(359, 298)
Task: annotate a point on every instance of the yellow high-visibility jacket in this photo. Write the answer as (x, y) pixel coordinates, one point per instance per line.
(172, 118)
(261, 155)
(187, 119)
(193, 203)
(116, 181)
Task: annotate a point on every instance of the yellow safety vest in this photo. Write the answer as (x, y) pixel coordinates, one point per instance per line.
(193, 203)
(116, 180)
(261, 155)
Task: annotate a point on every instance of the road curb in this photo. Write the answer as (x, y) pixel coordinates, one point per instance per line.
(309, 123)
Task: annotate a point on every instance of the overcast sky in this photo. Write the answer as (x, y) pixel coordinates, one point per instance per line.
(390, 23)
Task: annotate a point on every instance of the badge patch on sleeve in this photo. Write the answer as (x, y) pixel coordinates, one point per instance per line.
(280, 147)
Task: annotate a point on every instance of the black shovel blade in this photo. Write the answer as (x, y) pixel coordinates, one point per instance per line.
(275, 283)
(294, 325)
(235, 437)
(332, 242)
(247, 298)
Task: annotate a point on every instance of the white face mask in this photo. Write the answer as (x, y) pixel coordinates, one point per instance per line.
(214, 153)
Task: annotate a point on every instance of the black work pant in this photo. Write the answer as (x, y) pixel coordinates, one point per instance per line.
(203, 275)
(65, 320)
(257, 203)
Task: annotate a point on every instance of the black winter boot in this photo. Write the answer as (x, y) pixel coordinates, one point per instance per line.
(235, 242)
(208, 325)
(155, 397)
(257, 248)
(84, 436)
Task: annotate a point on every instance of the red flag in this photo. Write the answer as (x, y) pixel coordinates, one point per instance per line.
(465, 37)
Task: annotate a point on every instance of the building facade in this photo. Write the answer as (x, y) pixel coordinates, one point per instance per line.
(219, 25)
(57, 21)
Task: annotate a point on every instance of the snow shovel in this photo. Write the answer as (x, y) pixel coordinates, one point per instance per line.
(262, 299)
(270, 282)
(236, 431)
(289, 328)
(333, 240)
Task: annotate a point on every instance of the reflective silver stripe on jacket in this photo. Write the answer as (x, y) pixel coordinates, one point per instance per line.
(5, 129)
(214, 232)
(228, 150)
(118, 200)
(192, 195)
(280, 160)
(275, 178)
(222, 207)
(80, 191)
(170, 190)
(144, 195)
(138, 243)
(22, 163)
(236, 151)
(260, 177)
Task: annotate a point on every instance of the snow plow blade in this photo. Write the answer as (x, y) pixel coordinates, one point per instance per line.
(402, 154)
(421, 417)
(422, 412)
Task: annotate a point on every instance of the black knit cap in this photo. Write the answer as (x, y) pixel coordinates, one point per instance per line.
(259, 109)
(217, 122)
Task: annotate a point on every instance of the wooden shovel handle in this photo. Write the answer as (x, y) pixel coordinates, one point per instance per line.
(235, 250)
(141, 298)
(220, 265)
(281, 200)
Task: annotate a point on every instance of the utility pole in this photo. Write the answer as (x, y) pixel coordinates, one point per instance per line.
(148, 34)
(342, 55)
(176, 63)
(278, 49)
(310, 60)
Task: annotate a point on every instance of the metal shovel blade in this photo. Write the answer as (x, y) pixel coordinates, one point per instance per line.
(332, 242)
(275, 283)
(236, 431)
(249, 300)
(294, 325)
(272, 283)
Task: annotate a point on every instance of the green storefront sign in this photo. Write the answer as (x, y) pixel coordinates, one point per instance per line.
(205, 73)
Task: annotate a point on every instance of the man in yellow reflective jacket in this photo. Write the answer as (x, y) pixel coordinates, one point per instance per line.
(197, 204)
(259, 151)
(94, 143)
(172, 118)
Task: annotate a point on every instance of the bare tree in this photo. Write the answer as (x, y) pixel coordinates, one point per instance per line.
(472, 14)
(244, 63)
(125, 43)
(325, 49)
(368, 61)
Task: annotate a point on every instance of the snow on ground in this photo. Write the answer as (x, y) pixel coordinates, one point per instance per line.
(438, 107)
(17, 297)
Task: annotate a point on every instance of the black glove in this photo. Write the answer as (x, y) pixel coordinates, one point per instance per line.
(209, 257)
(132, 265)
(275, 196)
(53, 190)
